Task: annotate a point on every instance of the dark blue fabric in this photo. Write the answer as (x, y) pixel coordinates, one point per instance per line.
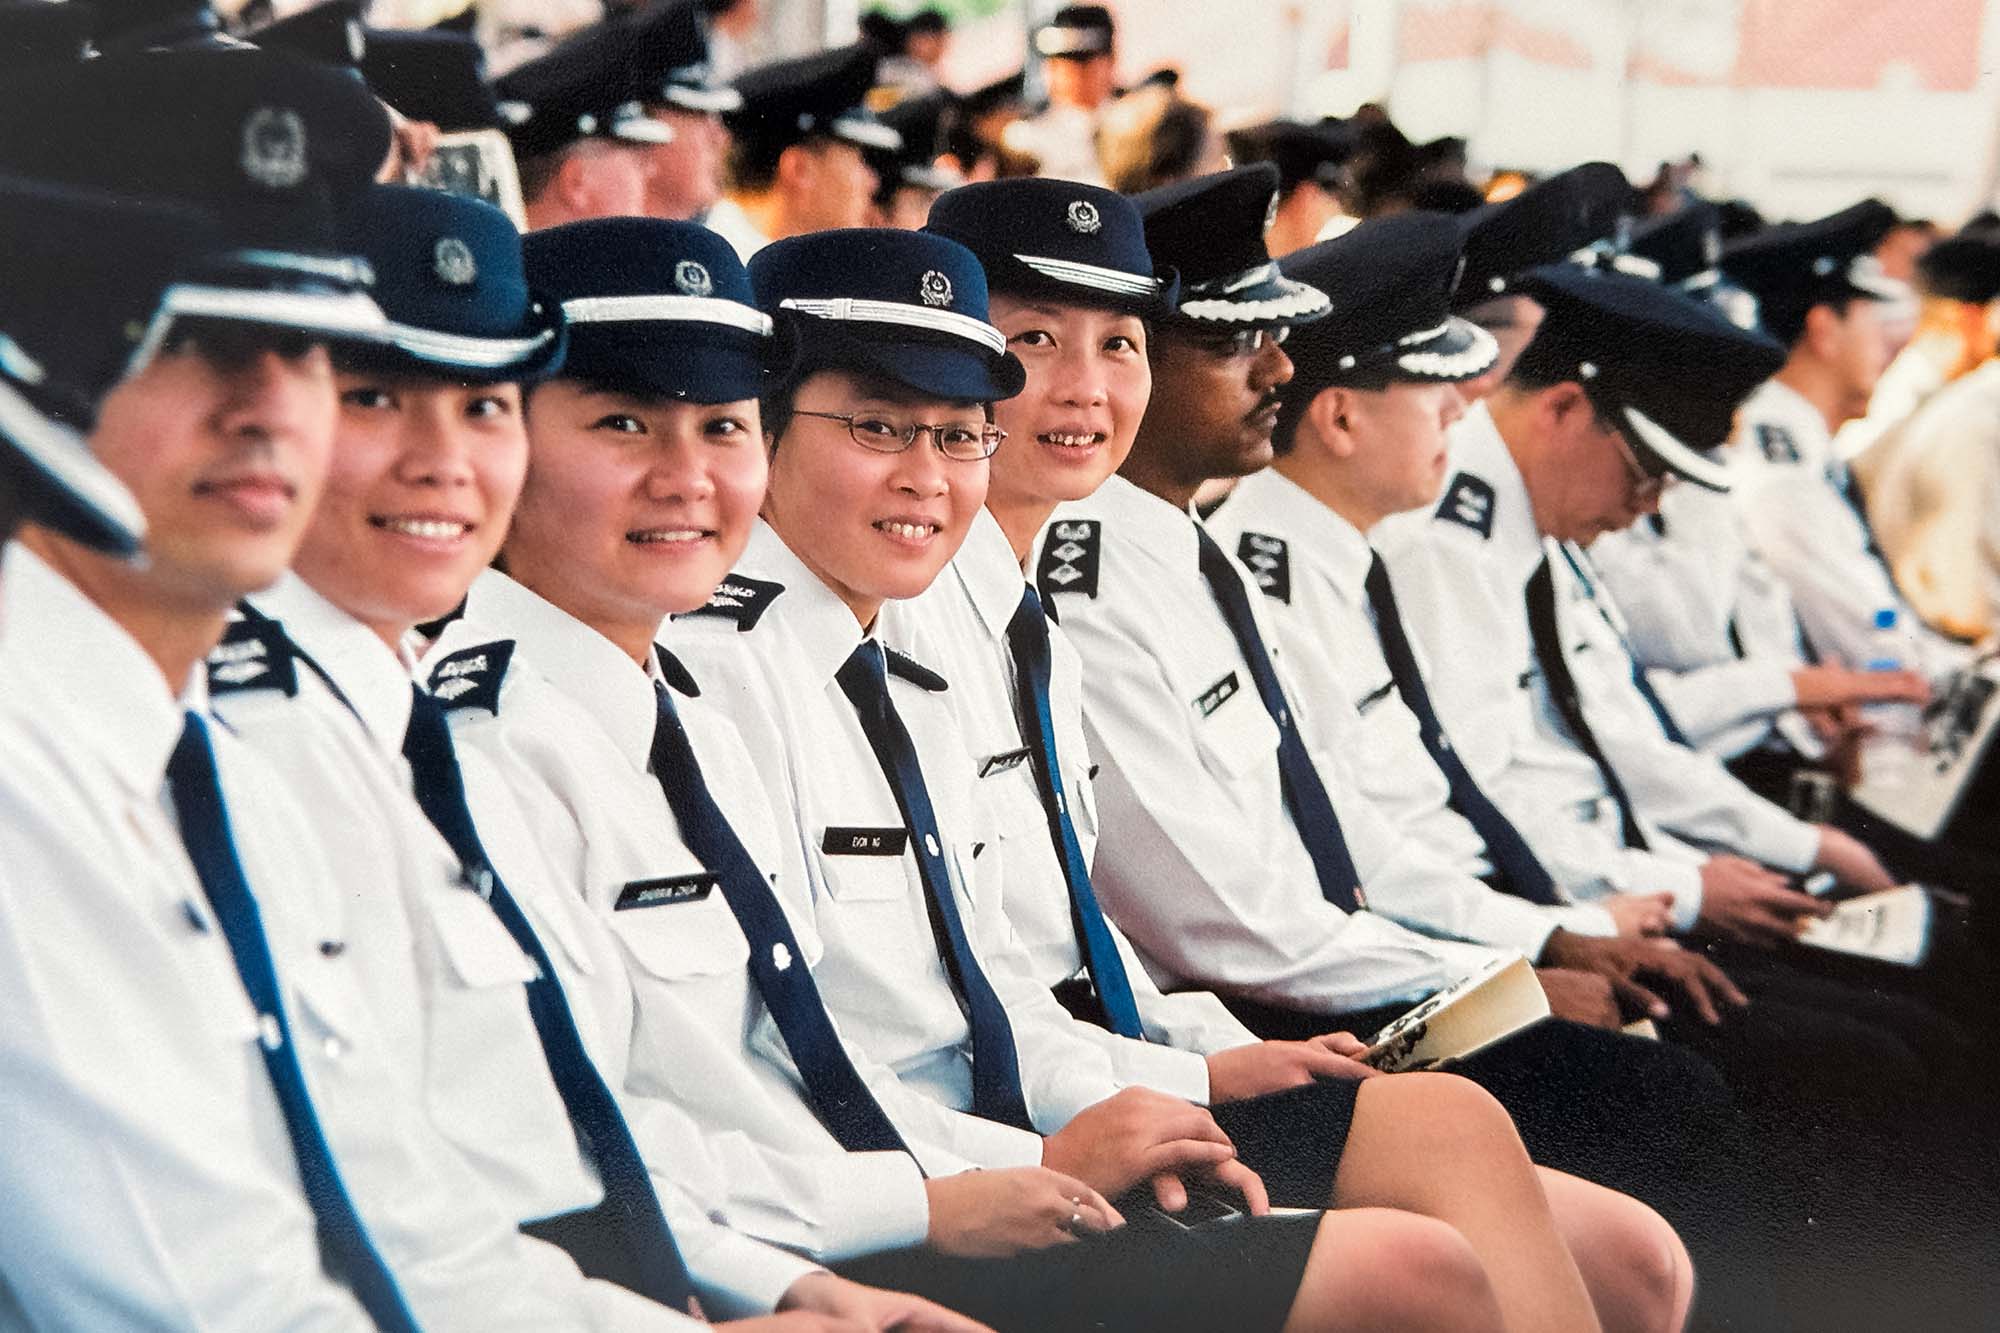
(1562, 689)
(345, 1248)
(838, 1096)
(1305, 795)
(1028, 638)
(1670, 728)
(631, 1210)
(1519, 871)
(996, 1072)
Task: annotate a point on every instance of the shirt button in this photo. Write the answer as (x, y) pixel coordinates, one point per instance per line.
(269, 1032)
(930, 843)
(333, 1047)
(781, 957)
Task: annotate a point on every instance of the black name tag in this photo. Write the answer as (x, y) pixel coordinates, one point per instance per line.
(664, 892)
(1003, 763)
(1218, 694)
(865, 841)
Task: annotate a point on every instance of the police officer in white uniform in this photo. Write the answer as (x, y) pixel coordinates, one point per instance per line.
(1078, 48)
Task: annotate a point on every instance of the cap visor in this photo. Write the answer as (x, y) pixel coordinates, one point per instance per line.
(59, 485)
(1458, 350)
(525, 357)
(717, 101)
(942, 367)
(1655, 441)
(1275, 300)
(337, 316)
(713, 366)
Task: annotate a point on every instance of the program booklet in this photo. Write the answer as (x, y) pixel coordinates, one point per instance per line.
(1893, 926)
(1491, 1004)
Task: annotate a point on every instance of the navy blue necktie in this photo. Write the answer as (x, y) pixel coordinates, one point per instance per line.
(1520, 871)
(1028, 638)
(996, 1071)
(1547, 635)
(349, 1255)
(1668, 727)
(629, 1218)
(838, 1096)
(1305, 794)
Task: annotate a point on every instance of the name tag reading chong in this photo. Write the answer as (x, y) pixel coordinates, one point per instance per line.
(664, 892)
(865, 841)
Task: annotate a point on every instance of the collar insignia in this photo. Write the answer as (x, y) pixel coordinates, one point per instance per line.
(253, 655)
(1468, 502)
(470, 678)
(1776, 443)
(741, 599)
(1270, 562)
(1069, 558)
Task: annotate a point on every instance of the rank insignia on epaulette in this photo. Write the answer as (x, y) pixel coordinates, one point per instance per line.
(739, 598)
(470, 678)
(1468, 502)
(253, 655)
(1270, 563)
(1776, 443)
(1069, 558)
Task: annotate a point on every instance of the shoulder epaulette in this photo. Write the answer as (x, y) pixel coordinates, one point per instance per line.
(1070, 557)
(1776, 443)
(912, 670)
(1270, 562)
(739, 598)
(470, 677)
(255, 654)
(1468, 502)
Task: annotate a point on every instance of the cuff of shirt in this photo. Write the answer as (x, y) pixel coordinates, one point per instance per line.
(740, 1278)
(1789, 844)
(888, 1208)
(1590, 919)
(1178, 1073)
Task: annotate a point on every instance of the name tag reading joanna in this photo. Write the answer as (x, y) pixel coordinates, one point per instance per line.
(664, 892)
(864, 841)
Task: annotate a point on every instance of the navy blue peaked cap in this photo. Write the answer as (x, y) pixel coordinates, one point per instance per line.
(1390, 282)
(1077, 244)
(813, 96)
(1299, 151)
(1684, 244)
(903, 305)
(1667, 369)
(1211, 230)
(433, 76)
(669, 45)
(448, 274)
(266, 140)
(654, 308)
(1547, 222)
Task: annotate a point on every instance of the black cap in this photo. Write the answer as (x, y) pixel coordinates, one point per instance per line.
(1390, 281)
(1682, 245)
(922, 122)
(331, 31)
(1300, 152)
(654, 307)
(1831, 259)
(1077, 244)
(816, 96)
(584, 88)
(432, 75)
(904, 305)
(1211, 230)
(669, 46)
(1669, 370)
(1076, 32)
(1962, 268)
(128, 26)
(33, 32)
(1548, 221)
(448, 275)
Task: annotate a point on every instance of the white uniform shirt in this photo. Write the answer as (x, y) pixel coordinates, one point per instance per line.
(149, 1176)
(1316, 600)
(728, 220)
(1461, 574)
(569, 812)
(1711, 622)
(881, 974)
(1197, 855)
(960, 624)
(1798, 518)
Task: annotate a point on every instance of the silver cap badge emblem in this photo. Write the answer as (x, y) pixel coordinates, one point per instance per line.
(692, 279)
(274, 147)
(452, 261)
(935, 288)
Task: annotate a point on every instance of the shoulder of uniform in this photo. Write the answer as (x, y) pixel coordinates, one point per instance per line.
(1269, 560)
(1775, 442)
(255, 654)
(910, 669)
(1469, 502)
(739, 598)
(1071, 554)
(471, 677)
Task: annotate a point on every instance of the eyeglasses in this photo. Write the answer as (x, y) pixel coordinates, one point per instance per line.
(1244, 342)
(960, 441)
(1646, 487)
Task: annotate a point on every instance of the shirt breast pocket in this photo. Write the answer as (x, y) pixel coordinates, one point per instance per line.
(685, 940)
(476, 945)
(1236, 737)
(866, 871)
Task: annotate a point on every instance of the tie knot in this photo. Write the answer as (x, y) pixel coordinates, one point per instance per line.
(1377, 582)
(1030, 622)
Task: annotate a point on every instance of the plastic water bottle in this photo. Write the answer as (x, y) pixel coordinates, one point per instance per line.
(1898, 727)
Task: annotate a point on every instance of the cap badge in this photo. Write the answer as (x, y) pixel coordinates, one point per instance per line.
(452, 261)
(274, 147)
(935, 289)
(692, 279)
(1083, 218)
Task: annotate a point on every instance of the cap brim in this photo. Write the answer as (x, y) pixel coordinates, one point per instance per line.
(1657, 442)
(865, 133)
(1276, 299)
(943, 366)
(1456, 350)
(335, 315)
(640, 130)
(710, 365)
(58, 484)
(709, 101)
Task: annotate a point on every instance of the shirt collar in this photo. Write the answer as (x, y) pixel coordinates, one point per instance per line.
(374, 677)
(1477, 448)
(823, 629)
(1314, 534)
(1145, 523)
(115, 703)
(594, 672)
(986, 569)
